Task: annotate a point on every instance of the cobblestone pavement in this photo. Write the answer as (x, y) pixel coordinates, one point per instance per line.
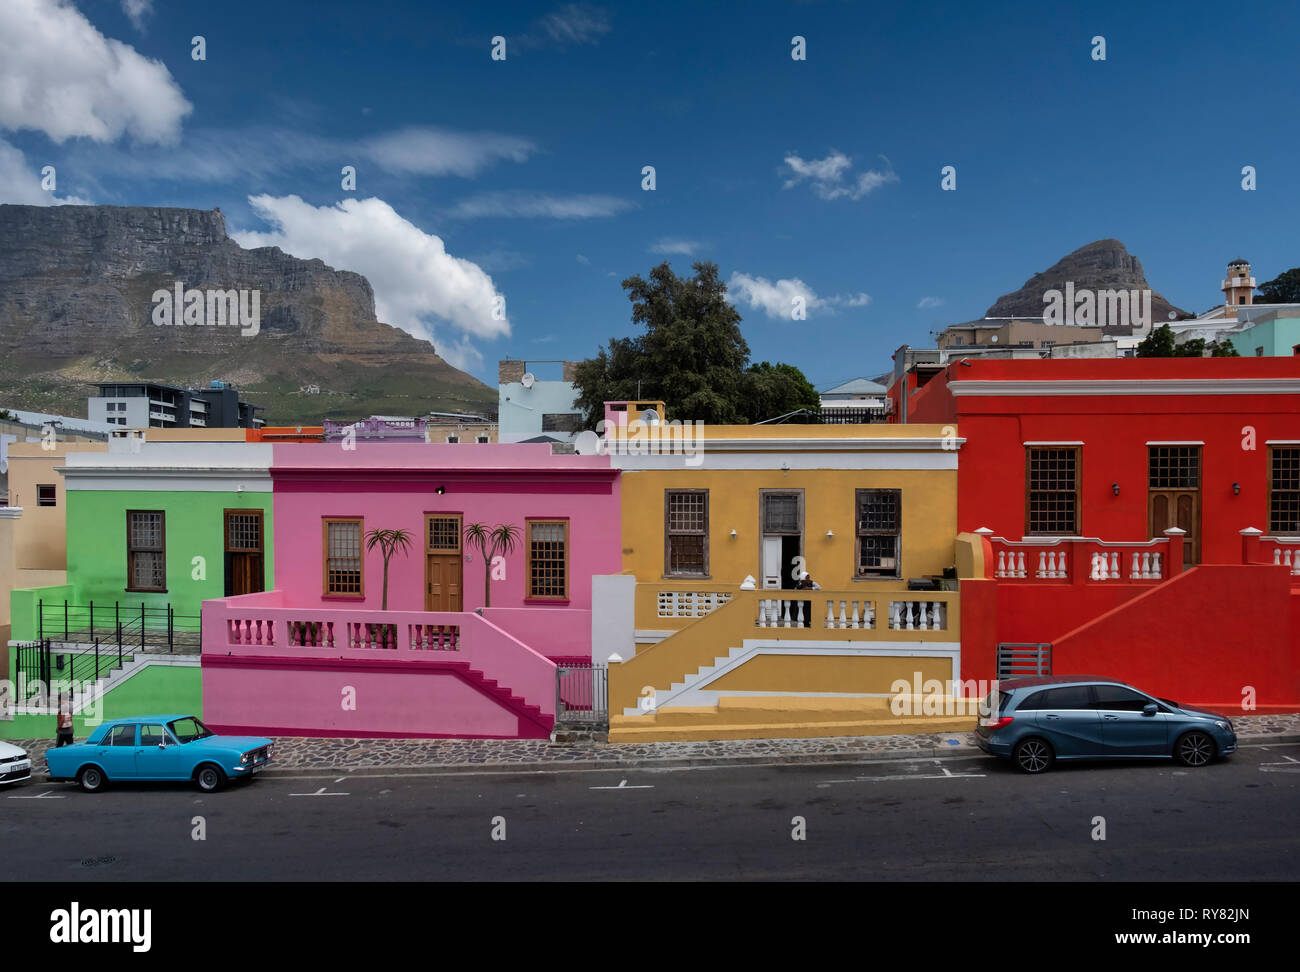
(298, 755)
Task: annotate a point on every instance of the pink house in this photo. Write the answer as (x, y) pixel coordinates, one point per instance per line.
(319, 656)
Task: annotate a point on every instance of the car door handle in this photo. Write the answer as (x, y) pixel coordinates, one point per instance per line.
(1109, 716)
(1050, 716)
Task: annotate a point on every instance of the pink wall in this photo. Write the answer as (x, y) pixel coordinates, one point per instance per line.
(555, 632)
(395, 485)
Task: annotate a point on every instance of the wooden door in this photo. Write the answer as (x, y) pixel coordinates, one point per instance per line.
(244, 543)
(442, 573)
(1178, 508)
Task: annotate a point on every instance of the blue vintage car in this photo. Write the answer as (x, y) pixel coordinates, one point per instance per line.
(158, 747)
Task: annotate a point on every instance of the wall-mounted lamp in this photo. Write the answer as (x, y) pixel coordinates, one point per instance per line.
(830, 533)
(733, 534)
(441, 490)
(1236, 488)
(1114, 488)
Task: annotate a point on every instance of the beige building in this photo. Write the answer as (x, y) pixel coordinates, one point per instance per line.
(1007, 332)
(455, 427)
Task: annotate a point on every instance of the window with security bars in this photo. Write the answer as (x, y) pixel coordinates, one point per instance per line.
(244, 531)
(686, 532)
(548, 559)
(879, 530)
(1284, 492)
(343, 562)
(444, 534)
(146, 566)
(781, 513)
(47, 496)
(1174, 467)
(1052, 505)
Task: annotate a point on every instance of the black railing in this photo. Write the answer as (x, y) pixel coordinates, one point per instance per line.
(126, 626)
(42, 671)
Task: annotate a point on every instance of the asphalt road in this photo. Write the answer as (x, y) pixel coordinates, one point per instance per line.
(969, 818)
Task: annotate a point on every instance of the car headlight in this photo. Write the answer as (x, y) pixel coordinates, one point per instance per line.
(244, 758)
(1223, 723)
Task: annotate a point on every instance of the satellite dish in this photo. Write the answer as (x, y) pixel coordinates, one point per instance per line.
(650, 417)
(528, 379)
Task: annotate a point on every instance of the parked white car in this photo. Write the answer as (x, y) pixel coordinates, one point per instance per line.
(15, 766)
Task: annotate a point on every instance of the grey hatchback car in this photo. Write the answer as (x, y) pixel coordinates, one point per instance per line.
(1037, 720)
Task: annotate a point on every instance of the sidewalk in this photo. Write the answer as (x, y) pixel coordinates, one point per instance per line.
(297, 756)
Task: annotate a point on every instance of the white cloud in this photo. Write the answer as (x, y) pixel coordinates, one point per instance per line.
(830, 177)
(667, 245)
(413, 275)
(576, 23)
(776, 298)
(436, 151)
(929, 302)
(61, 76)
(20, 182)
(583, 260)
(533, 205)
(139, 11)
(258, 152)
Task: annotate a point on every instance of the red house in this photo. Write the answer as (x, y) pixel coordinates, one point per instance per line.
(1140, 518)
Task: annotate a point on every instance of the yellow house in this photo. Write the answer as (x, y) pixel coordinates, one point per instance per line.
(718, 524)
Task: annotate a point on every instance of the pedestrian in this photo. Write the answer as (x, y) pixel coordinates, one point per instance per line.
(64, 735)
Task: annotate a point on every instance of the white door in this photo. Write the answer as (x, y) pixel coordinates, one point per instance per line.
(771, 562)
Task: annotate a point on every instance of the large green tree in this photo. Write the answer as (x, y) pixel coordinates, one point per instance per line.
(691, 355)
(1160, 344)
(1282, 289)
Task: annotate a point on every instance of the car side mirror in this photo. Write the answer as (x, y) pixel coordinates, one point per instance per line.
(1150, 709)
(162, 745)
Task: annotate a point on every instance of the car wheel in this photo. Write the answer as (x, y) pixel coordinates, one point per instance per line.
(1194, 749)
(209, 778)
(1033, 755)
(91, 779)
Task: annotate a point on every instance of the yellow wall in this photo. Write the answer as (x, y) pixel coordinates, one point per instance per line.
(929, 515)
(830, 673)
(40, 540)
(193, 434)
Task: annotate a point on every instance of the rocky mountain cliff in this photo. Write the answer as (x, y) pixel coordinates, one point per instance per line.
(76, 286)
(1103, 265)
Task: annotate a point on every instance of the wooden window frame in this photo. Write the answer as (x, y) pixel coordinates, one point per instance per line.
(858, 535)
(261, 530)
(763, 494)
(360, 521)
(1268, 499)
(131, 552)
(669, 573)
(529, 522)
(1078, 490)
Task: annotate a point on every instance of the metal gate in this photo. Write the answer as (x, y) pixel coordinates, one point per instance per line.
(582, 694)
(1018, 658)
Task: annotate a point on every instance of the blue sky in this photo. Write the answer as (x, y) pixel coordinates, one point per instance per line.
(522, 178)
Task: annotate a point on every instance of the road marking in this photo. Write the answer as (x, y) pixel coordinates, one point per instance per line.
(320, 792)
(47, 795)
(623, 786)
(340, 779)
(918, 776)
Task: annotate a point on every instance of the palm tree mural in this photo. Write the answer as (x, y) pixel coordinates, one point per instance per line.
(388, 542)
(497, 541)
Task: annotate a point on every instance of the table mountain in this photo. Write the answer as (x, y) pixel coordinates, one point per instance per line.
(1103, 265)
(76, 286)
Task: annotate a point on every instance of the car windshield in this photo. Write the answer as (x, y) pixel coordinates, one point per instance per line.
(1171, 702)
(189, 729)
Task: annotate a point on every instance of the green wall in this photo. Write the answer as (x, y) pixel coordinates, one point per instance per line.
(1277, 337)
(158, 690)
(194, 521)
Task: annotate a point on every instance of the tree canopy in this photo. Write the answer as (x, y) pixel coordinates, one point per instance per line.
(1160, 344)
(691, 355)
(1282, 289)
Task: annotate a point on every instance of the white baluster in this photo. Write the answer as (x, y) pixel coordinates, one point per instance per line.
(1114, 565)
(1002, 563)
(785, 613)
(1093, 574)
(1286, 558)
(856, 621)
(940, 616)
(1277, 556)
(1020, 561)
(1146, 565)
(843, 616)
(1135, 573)
(1042, 564)
(1155, 565)
(925, 615)
(893, 615)
(868, 614)
(762, 613)
(907, 606)
(798, 614)
(830, 616)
